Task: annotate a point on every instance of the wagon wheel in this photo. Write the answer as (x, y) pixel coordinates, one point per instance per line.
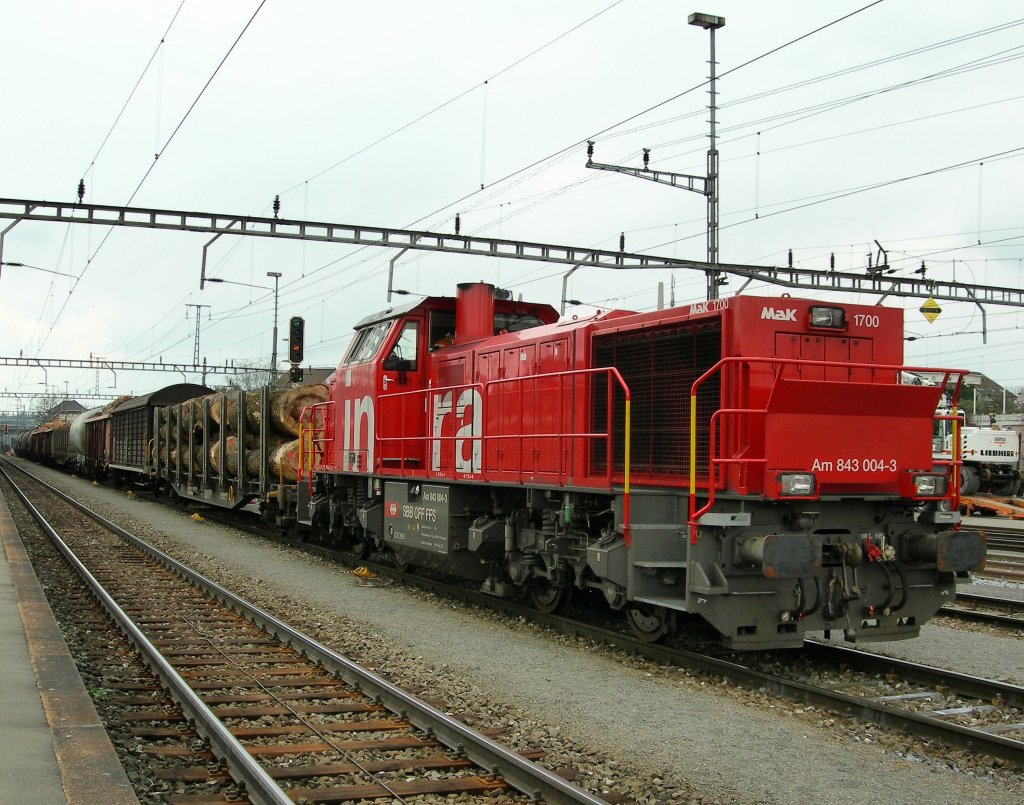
(648, 623)
(549, 598)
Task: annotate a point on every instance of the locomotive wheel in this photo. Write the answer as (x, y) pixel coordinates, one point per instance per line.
(360, 547)
(648, 623)
(549, 598)
(402, 564)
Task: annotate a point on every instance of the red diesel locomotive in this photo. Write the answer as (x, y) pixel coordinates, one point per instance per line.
(750, 466)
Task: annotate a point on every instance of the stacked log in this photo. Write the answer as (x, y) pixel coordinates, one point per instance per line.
(252, 457)
(284, 461)
(252, 411)
(187, 452)
(286, 407)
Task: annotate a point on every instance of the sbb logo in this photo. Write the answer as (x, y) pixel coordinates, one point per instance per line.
(392, 509)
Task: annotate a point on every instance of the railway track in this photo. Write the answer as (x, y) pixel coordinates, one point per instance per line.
(1005, 557)
(1006, 612)
(972, 713)
(285, 717)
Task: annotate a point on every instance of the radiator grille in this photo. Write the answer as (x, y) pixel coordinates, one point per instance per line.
(659, 365)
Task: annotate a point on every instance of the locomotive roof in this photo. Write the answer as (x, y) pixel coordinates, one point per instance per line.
(391, 312)
(448, 303)
(169, 395)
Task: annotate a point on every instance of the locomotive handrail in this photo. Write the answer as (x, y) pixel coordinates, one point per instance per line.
(955, 460)
(613, 374)
(780, 364)
(483, 439)
(312, 439)
(424, 392)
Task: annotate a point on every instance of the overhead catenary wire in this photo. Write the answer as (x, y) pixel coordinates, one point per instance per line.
(349, 256)
(236, 314)
(454, 98)
(1012, 153)
(565, 152)
(305, 183)
(847, 71)
(131, 94)
(121, 111)
(149, 170)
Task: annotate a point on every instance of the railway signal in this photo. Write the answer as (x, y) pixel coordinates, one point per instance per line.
(296, 330)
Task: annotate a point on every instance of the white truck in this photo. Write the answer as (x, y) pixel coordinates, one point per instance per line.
(991, 456)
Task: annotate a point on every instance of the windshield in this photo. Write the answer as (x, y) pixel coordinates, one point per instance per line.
(367, 342)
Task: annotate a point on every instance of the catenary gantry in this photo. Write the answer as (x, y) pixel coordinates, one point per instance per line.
(877, 282)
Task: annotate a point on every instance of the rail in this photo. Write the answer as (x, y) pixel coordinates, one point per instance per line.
(534, 782)
(714, 461)
(260, 786)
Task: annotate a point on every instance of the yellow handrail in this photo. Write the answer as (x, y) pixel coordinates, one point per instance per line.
(779, 364)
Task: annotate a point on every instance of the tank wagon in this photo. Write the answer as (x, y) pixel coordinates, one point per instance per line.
(753, 467)
(21, 443)
(115, 440)
(78, 439)
(47, 444)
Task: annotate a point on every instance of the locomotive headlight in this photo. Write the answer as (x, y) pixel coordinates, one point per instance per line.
(796, 484)
(929, 486)
(834, 318)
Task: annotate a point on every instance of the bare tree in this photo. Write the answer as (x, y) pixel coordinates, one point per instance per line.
(44, 407)
(252, 380)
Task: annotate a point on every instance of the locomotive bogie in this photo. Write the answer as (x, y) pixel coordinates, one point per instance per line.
(866, 569)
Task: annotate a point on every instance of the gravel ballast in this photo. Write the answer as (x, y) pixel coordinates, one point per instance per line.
(659, 734)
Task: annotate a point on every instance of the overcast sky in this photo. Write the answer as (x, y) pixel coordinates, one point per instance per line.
(393, 113)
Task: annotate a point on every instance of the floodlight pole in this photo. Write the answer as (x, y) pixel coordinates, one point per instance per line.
(706, 185)
(711, 23)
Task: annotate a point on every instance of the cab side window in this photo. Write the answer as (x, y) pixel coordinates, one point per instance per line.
(404, 354)
(442, 328)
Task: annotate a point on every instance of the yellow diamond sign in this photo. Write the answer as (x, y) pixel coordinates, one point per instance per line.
(930, 309)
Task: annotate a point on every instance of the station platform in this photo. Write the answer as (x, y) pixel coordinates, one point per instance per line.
(53, 747)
